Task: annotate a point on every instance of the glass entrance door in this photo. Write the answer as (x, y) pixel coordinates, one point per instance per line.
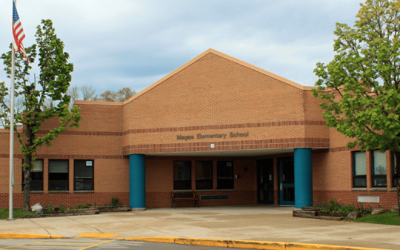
(286, 180)
(265, 181)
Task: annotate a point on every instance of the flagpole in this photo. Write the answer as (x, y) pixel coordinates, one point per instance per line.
(12, 131)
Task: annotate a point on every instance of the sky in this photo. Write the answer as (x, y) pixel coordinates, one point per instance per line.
(130, 43)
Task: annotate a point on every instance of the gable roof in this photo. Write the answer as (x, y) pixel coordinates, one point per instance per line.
(294, 84)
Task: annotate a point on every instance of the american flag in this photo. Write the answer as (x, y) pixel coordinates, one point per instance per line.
(18, 33)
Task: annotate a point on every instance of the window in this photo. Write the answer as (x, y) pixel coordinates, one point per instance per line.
(224, 175)
(182, 175)
(359, 169)
(379, 169)
(394, 176)
(58, 175)
(36, 176)
(204, 175)
(83, 175)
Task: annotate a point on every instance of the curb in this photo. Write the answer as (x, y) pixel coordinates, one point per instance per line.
(29, 236)
(244, 244)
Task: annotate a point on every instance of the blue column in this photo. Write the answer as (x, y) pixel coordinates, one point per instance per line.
(303, 186)
(137, 181)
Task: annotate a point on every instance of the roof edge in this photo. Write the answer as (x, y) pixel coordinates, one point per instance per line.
(97, 103)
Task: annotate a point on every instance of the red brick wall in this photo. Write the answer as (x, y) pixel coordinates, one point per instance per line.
(217, 95)
(333, 179)
(98, 138)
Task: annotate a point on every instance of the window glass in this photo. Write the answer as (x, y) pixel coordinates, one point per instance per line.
(38, 166)
(379, 169)
(83, 175)
(204, 175)
(360, 159)
(359, 169)
(58, 175)
(182, 175)
(379, 163)
(225, 175)
(36, 176)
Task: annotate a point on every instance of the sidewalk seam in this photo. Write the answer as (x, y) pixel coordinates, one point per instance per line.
(40, 226)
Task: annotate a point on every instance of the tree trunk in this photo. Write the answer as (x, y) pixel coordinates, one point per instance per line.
(397, 154)
(27, 182)
(27, 171)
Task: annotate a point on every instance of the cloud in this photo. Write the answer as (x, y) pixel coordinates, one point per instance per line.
(114, 44)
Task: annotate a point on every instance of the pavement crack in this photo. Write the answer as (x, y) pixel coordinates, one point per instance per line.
(85, 224)
(40, 226)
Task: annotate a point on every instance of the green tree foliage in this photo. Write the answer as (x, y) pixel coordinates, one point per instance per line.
(360, 85)
(54, 81)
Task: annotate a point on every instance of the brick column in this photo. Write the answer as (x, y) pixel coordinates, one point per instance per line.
(71, 175)
(369, 169)
(45, 175)
(276, 182)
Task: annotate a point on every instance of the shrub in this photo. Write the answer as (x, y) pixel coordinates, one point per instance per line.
(48, 209)
(115, 201)
(61, 209)
(334, 207)
(82, 206)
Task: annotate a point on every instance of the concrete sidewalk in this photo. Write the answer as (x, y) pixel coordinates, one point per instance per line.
(258, 223)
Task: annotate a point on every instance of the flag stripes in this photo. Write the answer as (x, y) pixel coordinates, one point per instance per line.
(18, 33)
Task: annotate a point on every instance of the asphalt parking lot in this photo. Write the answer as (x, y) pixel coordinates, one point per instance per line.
(80, 244)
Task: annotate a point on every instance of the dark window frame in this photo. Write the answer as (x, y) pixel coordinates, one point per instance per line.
(177, 183)
(354, 171)
(86, 180)
(32, 180)
(52, 181)
(376, 177)
(219, 183)
(212, 176)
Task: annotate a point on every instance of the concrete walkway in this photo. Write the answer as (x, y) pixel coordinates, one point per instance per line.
(260, 223)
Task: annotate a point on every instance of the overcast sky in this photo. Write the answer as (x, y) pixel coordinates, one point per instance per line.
(130, 43)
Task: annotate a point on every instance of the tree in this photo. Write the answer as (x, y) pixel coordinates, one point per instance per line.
(74, 94)
(125, 93)
(54, 81)
(120, 96)
(361, 85)
(108, 96)
(88, 93)
(18, 107)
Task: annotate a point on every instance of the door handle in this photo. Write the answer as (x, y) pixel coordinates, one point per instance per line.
(281, 186)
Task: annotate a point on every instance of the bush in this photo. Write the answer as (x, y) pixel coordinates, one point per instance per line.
(48, 209)
(82, 206)
(333, 207)
(61, 209)
(115, 201)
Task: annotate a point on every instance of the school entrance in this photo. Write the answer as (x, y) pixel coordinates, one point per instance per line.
(276, 185)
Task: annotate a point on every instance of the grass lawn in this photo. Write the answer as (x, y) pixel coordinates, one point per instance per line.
(387, 218)
(18, 213)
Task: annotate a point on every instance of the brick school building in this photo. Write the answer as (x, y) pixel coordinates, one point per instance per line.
(225, 130)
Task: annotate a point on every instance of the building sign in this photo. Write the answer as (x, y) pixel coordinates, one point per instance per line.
(207, 136)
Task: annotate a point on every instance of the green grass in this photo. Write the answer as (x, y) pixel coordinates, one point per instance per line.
(387, 218)
(18, 213)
